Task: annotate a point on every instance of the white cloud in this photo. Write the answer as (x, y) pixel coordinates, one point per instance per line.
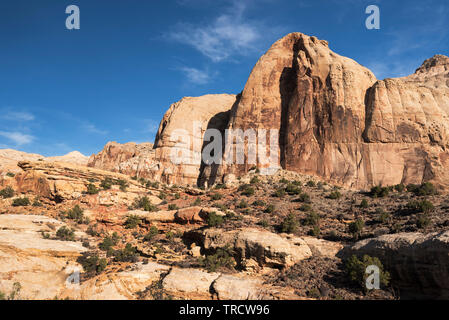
(195, 75)
(92, 128)
(229, 34)
(18, 116)
(17, 137)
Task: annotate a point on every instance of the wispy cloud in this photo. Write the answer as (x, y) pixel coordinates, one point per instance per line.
(229, 34)
(151, 126)
(18, 138)
(89, 127)
(18, 116)
(196, 76)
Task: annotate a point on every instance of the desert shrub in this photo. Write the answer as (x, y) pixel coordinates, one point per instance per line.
(132, 222)
(123, 184)
(151, 234)
(279, 193)
(21, 202)
(291, 189)
(311, 184)
(423, 221)
(14, 294)
(106, 184)
(150, 184)
(37, 203)
(92, 189)
(197, 202)
(423, 206)
(10, 174)
(172, 206)
(425, 189)
(283, 181)
(8, 192)
(399, 187)
(379, 192)
(162, 195)
(315, 231)
(264, 223)
(76, 214)
(92, 231)
(304, 197)
(216, 196)
(108, 242)
(259, 203)
(312, 219)
(364, 204)
(127, 254)
(92, 263)
(222, 258)
(356, 228)
(384, 216)
(248, 191)
(177, 196)
(254, 180)
(334, 195)
(305, 207)
(145, 204)
(356, 270)
(269, 209)
(214, 220)
(65, 234)
(243, 204)
(289, 224)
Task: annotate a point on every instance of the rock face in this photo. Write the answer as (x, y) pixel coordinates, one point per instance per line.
(181, 132)
(260, 248)
(334, 120)
(40, 265)
(337, 122)
(418, 263)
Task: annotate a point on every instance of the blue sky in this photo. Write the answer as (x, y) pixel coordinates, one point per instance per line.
(63, 90)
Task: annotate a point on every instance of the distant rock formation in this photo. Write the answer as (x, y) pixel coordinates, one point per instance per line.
(335, 120)
(9, 159)
(190, 117)
(74, 157)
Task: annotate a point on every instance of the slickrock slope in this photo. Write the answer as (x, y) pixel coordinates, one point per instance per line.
(74, 157)
(337, 122)
(41, 266)
(183, 126)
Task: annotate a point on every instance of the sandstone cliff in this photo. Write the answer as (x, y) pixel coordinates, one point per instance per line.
(337, 122)
(183, 125)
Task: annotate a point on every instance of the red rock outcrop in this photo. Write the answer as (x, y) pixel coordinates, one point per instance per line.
(337, 122)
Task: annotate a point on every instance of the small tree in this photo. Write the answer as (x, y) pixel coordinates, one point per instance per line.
(290, 224)
(8, 192)
(65, 234)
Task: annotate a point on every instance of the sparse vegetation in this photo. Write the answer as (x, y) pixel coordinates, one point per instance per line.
(66, 234)
(92, 264)
(21, 202)
(145, 204)
(289, 224)
(92, 189)
(356, 270)
(7, 192)
(214, 220)
(222, 258)
(356, 228)
(132, 222)
(379, 192)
